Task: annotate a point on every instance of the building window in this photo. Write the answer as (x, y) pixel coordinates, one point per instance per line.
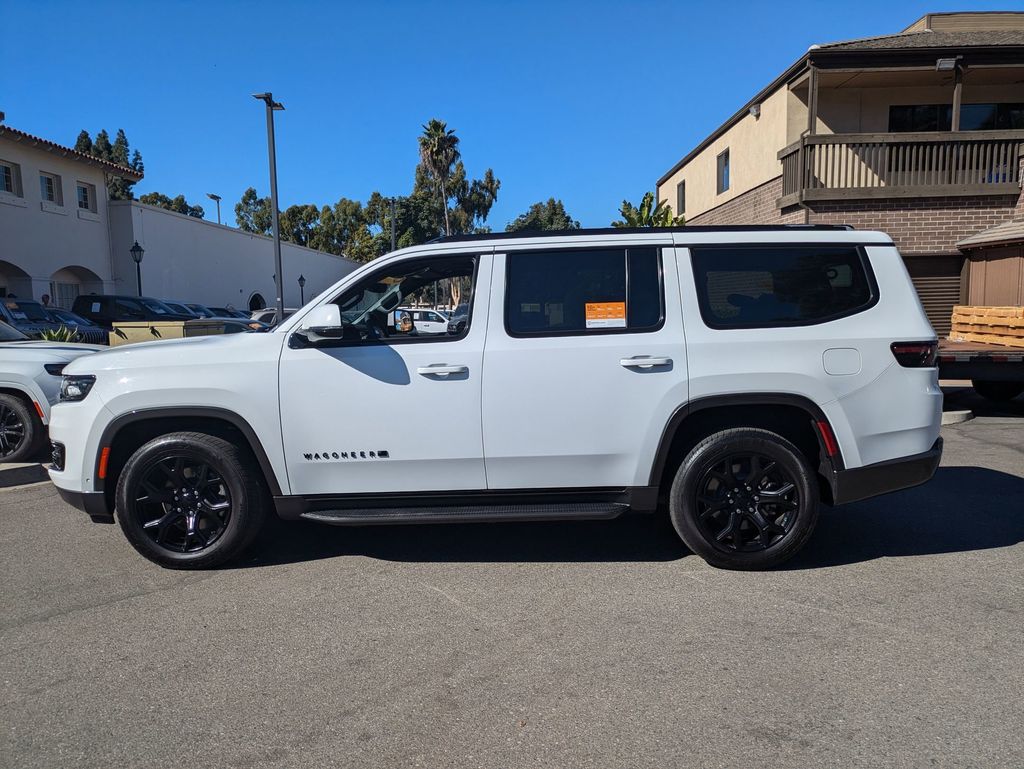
(904, 118)
(681, 198)
(10, 178)
(723, 172)
(87, 196)
(49, 189)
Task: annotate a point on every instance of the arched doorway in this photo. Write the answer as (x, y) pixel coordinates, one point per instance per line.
(14, 280)
(68, 282)
(257, 302)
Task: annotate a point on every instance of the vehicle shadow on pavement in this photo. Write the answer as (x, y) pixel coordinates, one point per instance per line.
(959, 510)
(629, 538)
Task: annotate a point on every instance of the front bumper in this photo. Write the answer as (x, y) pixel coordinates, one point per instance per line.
(884, 477)
(92, 502)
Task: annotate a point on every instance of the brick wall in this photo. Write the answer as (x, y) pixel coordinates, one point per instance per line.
(756, 206)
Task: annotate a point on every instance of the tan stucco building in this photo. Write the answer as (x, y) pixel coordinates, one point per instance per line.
(918, 133)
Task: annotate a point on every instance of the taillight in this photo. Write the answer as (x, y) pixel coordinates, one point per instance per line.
(915, 354)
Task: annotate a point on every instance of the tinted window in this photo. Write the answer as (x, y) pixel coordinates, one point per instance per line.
(758, 286)
(20, 310)
(579, 292)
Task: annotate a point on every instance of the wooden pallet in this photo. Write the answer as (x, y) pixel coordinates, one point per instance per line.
(989, 325)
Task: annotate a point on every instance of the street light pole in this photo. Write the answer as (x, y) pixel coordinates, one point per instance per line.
(268, 99)
(215, 198)
(302, 290)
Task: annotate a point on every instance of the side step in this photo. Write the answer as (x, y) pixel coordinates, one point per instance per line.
(469, 514)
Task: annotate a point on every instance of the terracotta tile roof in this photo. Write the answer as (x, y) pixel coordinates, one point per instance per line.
(1007, 233)
(929, 39)
(6, 132)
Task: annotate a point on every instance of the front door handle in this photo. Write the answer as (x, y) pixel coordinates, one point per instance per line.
(441, 369)
(644, 361)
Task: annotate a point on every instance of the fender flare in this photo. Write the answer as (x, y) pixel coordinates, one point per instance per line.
(680, 415)
(37, 399)
(115, 426)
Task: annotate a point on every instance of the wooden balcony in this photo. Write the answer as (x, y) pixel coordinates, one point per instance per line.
(878, 166)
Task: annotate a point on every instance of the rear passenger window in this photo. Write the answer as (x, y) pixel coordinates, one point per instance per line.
(763, 286)
(552, 293)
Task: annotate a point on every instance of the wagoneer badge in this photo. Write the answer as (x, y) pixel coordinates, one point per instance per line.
(329, 455)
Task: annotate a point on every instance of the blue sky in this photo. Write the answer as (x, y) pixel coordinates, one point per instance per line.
(588, 102)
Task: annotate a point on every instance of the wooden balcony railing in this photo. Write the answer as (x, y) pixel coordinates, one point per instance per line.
(872, 166)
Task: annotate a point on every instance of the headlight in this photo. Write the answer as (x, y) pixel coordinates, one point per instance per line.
(74, 387)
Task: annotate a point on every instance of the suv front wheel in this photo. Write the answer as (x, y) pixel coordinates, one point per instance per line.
(744, 498)
(190, 500)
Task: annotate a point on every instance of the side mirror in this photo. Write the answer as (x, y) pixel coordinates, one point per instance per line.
(323, 322)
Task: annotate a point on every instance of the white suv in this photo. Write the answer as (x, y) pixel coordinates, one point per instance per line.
(737, 376)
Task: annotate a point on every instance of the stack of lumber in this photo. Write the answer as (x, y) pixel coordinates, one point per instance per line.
(990, 325)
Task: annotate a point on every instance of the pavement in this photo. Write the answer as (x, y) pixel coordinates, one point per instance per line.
(893, 640)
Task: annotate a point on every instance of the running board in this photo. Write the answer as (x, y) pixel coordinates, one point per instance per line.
(469, 514)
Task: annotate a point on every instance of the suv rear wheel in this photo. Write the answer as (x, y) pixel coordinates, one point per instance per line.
(744, 498)
(190, 500)
(21, 430)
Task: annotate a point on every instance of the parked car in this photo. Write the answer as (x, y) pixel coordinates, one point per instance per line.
(105, 310)
(269, 315)
(458, 320)
(206, 312)
(426, 321)
(181, 308)
(733, 377)
(30, 377)
(86, 331)
(228, 312)
(26, 315)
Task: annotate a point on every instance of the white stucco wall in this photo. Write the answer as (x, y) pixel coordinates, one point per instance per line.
(38, 239)
(195, 260)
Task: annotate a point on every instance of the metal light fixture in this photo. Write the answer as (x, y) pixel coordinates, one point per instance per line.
(137, 253)
(947, 65)
(755, 111)
(302, 290)
(268, 99)
(215, 198)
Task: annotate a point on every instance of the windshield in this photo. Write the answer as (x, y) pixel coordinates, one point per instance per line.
(68, 317)
(10, 334)
(157, 307)
(20, 310)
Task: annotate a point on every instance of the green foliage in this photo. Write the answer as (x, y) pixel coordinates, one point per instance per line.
(118, 152)
(544, 216)
(647, 214)
(439, 152)
(252, 213)
(62, 334)
(178, 204)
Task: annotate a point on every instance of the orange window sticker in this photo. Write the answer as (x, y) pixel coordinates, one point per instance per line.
(606, 314)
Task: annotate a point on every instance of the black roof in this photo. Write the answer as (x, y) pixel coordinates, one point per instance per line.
(641, 231)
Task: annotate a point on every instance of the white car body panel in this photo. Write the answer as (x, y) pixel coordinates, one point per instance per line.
(22, 368)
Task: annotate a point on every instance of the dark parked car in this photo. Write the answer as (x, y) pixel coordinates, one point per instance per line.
(26, 315)
(181, 308)
(228, 312)
(105, 310)
(87, 331)
(457, 322)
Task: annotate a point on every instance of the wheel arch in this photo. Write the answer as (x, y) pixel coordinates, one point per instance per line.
(35, 400)
(127, 432)
(795, 417)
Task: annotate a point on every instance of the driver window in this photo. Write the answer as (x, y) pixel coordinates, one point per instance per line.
(394, 303)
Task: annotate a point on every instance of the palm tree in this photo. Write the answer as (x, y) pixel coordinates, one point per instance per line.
(647, 214)
(439, 151)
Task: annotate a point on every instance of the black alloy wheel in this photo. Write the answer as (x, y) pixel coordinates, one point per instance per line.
(182, 503)
(12, 431)
(747, 502)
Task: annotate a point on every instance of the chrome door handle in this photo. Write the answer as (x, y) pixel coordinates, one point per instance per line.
(641, 361)
(442, 370)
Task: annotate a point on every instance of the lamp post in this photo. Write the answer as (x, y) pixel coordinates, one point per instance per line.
(302, 290)
(215, 198)
(268, 99)
(137, 253)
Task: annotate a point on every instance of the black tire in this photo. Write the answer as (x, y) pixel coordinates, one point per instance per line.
(21, 430)
(732, 526)
(225, 505)
(999, 392)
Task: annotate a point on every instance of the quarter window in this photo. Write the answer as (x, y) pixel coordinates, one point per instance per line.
(722, 163)
(554, 293)
(766, 286)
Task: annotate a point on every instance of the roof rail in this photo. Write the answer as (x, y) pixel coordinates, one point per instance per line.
(641, 231)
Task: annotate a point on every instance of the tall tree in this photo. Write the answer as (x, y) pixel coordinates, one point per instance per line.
(119, 152)
(439, 152)
(178, 204)
(647, 214)
(252, 213)
(84, 142)
(544, 216)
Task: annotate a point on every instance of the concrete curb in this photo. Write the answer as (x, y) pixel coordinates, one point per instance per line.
(956, 417)
(20, 473)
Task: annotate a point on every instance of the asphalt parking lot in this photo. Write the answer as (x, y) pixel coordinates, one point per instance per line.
(893, 641)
